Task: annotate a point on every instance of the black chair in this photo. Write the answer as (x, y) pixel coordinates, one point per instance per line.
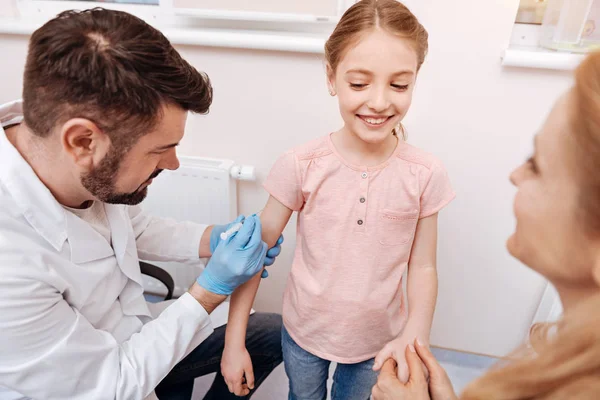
(160, 274)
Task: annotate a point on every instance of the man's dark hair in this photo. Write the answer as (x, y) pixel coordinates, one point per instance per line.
(109, 67)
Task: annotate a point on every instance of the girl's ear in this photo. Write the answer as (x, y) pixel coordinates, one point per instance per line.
(331, 80)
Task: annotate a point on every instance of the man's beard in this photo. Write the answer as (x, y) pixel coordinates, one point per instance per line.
(100, 182)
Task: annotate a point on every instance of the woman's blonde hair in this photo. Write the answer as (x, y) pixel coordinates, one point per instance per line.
(562, 360)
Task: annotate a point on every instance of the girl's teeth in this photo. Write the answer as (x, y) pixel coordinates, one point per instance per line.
(375, 121)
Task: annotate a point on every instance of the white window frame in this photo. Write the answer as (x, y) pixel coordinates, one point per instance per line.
(524, 51)
(234, 29)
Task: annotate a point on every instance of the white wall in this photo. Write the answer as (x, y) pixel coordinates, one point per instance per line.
(476, 116)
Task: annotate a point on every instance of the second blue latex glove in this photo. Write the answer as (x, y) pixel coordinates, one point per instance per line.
(235, 260)
(272, 254)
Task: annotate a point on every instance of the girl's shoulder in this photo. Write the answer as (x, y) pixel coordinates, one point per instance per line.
(315, 148)
(415, 155)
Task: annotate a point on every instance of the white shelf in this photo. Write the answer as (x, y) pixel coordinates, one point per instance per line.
(536, 57)
(17, 26)
(230, 38)
(246, 40)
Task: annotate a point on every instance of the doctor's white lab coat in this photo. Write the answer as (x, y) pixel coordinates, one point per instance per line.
(65, 331)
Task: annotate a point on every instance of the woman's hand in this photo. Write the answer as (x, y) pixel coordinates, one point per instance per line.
(389, 387)
(396, 350)
(440, 387)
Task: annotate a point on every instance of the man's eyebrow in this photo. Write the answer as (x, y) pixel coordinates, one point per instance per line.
(168, 146)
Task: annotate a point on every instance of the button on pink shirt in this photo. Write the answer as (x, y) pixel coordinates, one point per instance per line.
(356, 225)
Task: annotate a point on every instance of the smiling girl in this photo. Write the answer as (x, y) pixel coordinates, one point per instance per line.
(367, 206)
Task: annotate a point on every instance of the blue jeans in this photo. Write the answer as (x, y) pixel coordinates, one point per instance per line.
(308, 375)
(263, 341)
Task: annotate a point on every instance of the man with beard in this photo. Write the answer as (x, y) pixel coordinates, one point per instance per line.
(105, 101)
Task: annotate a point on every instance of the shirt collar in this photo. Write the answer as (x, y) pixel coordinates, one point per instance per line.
(34, 199)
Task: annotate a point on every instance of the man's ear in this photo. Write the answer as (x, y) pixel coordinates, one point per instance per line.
(84, 142)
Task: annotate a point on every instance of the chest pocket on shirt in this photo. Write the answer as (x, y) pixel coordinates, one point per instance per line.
(397, 227)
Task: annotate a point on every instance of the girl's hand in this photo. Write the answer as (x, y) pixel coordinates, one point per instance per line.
(440, 387)
(235, 364)
(396, 349)
(388, 386)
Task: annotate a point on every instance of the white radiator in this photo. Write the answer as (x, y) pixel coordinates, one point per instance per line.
(202, 190)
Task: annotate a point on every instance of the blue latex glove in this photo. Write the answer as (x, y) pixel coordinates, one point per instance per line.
(235, 260)
(215, 235)
(215, 239)
(272, 254)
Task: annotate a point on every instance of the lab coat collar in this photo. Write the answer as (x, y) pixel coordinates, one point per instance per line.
(34, 199)
(50, 219)
(121, 231)
(88, 245)
(85, 243)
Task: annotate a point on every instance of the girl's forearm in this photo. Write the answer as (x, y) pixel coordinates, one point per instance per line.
(422, 289)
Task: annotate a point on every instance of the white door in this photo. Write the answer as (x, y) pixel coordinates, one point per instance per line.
(480, 119)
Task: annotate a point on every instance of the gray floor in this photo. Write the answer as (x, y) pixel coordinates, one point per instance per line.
(462, 368)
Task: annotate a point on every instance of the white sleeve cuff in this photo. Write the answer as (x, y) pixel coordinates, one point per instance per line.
(195, 309)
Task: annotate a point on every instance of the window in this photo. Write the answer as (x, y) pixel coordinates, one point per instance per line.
(567, 25)
(553, 34)
(316, 8)
(263, 10)
(284, 25)
(531, 11)
(148, 2)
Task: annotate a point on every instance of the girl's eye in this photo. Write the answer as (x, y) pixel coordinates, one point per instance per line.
(400, 87)
(357, 85)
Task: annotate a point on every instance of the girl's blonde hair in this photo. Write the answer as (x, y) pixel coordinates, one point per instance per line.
(366, 15)
(563, 359)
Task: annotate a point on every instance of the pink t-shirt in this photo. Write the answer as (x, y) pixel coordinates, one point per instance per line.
(343, 300)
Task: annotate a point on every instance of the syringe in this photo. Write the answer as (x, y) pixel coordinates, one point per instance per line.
(234, 229)
(229, 232)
